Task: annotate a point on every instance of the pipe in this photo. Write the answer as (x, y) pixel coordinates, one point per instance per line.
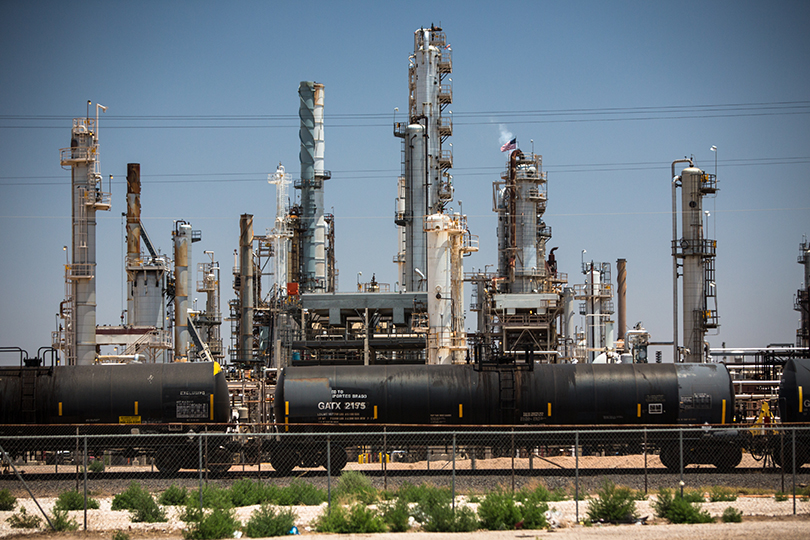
(621, 282)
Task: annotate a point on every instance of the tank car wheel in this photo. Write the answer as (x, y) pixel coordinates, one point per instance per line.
(283, 463)
(339, 458)
(670, 457)
(801, 458)
(728, 458)
(166, 466)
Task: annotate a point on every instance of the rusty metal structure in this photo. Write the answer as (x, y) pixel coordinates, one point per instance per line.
(801, 302)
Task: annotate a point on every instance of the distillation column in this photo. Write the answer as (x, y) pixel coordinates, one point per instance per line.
(80, 317)
(182, 240)
(313, 175)
(281, 231)
(697, 264)
(246, 288)
(426, 182)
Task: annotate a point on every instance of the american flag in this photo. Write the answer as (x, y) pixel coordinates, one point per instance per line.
(511, 145)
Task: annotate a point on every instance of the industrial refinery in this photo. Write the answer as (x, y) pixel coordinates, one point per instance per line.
(281, 306)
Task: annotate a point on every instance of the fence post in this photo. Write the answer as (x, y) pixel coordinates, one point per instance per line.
(85, 483)
(454, 471)
(645, 460)
(513, 460)
(793, 455)
(576, 472)
(328, 474)
(384, 458)
(680, 446)
(200, 468)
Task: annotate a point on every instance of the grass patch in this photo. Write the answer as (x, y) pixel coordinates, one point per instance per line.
(62, 522)
(355, 486)
(439, 517)
(732, 515)
(396, 515)
(211, 524)
(23, 520)
(173, 496)
(722, 494)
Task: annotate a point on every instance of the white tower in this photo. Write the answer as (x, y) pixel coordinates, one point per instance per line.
(79, 308)
(426, 184)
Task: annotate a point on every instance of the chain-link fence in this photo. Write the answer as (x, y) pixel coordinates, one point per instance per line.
(767, 466)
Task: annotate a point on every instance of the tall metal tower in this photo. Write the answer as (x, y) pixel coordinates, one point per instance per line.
(696, 254)
(78, 339)
(315, 234)
(802, 301)
(425, 185)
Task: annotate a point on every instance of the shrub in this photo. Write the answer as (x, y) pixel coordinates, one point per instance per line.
(120, 535)
(358, 519)
(299, 493)
(354, 485)
(614, 504)
(498, 511)
(217, 523)
(395, 515)
(246, 492)
(62, 522)
(267, 521)
(212, 497)
(73, 500)
(732, 515)
(780, 496)
(424, 493)
(96, 466)
(693, 496)
(441, 518)
(722, 494)
(7, 500)
(541, 493)
(140, 503)
(534, 511)
(23, 520)
(173, 496)
(678, 509)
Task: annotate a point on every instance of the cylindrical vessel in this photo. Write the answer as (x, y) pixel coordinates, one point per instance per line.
(553, 394)
(182, 287)
(440, 314)
(794, 391)
(119, 393)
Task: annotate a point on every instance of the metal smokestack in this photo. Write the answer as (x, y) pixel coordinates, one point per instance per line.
(133, 229)
(621, 279)
(246, 287)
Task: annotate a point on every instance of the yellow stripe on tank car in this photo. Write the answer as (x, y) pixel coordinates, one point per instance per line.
(60, 408)
(460, 410)
(375, 412)
(801, 400)
(723, 421)
(287, 407)
(211, 408)
(549, 409)
(639, 410)
(136, 408)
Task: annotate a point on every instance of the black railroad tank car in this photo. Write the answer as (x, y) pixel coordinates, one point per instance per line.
(548, 395)
(115, 394)
(794, 408)
(562, 394)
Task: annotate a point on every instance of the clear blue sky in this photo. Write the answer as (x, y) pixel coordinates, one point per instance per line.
(204, 96)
